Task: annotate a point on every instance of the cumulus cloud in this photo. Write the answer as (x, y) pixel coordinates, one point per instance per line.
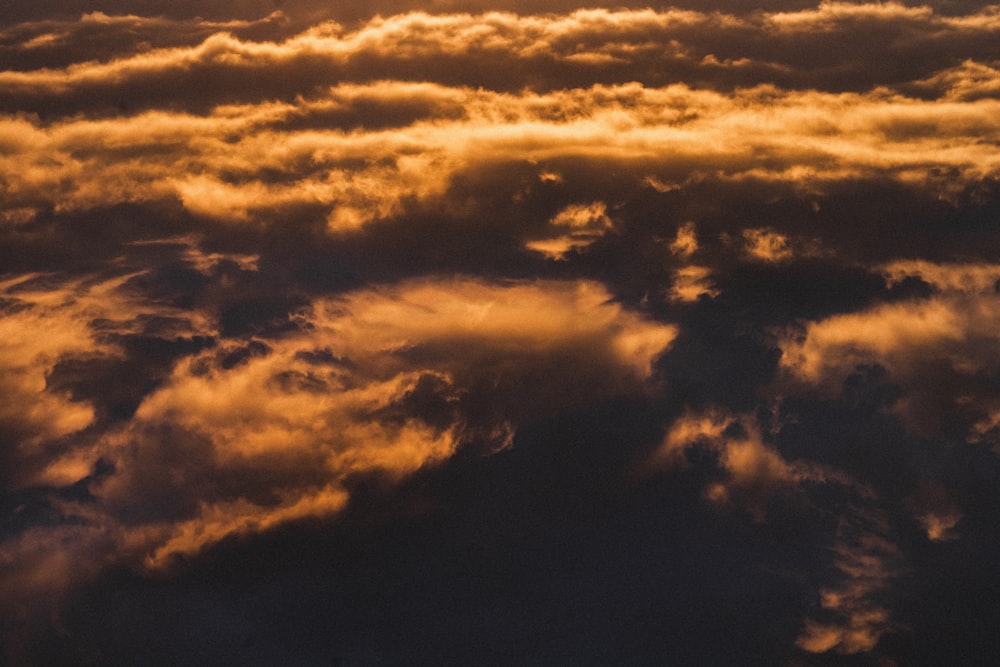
(848, 617)
(766, 245)
(511, 302)
(585, 223)
(238, 440)
(60, 42)
(203, 62)
(41, 416)
(946, 340)
(754, 470)
(241, 160)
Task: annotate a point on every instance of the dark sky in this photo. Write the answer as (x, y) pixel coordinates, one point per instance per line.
(499, 333)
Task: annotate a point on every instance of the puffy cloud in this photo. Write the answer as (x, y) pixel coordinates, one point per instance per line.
(766, 245)
(585, 223)
(952, 277)
(937, 511)
(293, 271)
(939, 349)
(686, 242)
(59, 42)
(240, 439)
(202, 61)
(844, 341)
(39, 416)
(754, 470)
(239, 160)
(691, 282)
(848, 617)
(81, 350)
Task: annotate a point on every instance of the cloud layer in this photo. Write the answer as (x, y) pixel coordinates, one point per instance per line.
(498, 333)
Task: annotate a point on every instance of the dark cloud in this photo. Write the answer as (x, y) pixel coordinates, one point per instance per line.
(121, 66)
(93, 35)
(116, 385)
(498, 333)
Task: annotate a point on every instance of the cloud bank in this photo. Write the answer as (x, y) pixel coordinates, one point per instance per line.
(498, 333)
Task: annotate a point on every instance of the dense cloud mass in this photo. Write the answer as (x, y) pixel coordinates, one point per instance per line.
(499, 333)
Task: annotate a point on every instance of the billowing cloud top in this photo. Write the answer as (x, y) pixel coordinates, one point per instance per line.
(494, 332)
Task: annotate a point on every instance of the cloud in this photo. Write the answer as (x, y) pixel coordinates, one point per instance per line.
(848, 617)
(766, 245)
(204, 63)
(237, 441)
(81, 350)
(59, 42)
(686, 242)
(242, 160)
(868, 562)
(938, 349)
(333, 313)
(585, 223)
(754, 471)
(41, 416)
(969, 81)
(691, 283)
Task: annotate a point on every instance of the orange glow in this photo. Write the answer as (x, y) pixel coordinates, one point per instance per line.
(241, 517)
(281, 415)
(586, 224)
(954, 327)
(691, 282)
(503, 277)
(686, 243)
(766, 245)
(755, 471)
(867, 562)
(814, 137)
(847, 339)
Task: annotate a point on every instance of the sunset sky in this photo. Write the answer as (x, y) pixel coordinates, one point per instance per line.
(501, 332)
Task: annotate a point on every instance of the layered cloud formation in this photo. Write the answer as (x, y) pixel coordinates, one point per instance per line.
(495, 332)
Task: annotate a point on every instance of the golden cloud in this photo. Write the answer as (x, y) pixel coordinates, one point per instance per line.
(755, 471)
(866, 559)
(766, 245)
(64, 309)
(951, 325)
(868, 562)
(236, 444)
(226, 164)
(374, 129)
(937, 350)
(586, 224)
(49, 318)
(686, 242)
(592, 38)
(691, 283)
